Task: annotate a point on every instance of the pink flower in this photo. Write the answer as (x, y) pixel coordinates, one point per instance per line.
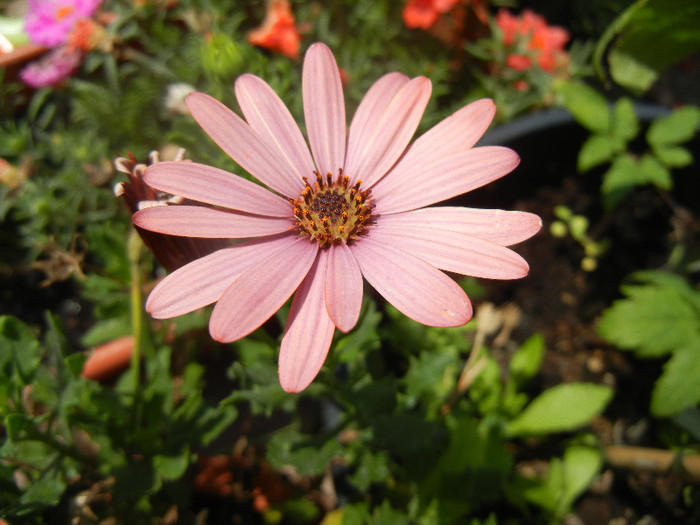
(49, 22)
(352, 207)
(52, 68)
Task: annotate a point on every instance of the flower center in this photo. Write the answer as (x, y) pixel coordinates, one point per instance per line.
(331, 212)
(63, 12)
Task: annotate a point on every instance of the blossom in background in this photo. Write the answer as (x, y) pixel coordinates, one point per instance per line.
(170, 251)
(353, 206)
(50, 22)
(422, 14)
(530, 37)
(52, 68)
(278, 32)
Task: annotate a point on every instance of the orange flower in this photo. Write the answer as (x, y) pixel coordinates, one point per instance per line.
(546, 43)
(278, 32)
(423, 14)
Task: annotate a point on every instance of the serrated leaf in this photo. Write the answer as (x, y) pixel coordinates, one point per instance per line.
(597, 150)
(673, 156)
(561, 408)
(678, 387)
(655, 318)
(589, 108)
(676, 128)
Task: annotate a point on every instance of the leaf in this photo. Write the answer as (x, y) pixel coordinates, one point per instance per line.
(560, 409)
(597, 150)
(581, 466)
(526, 360)
(625, 125)
(678, 387)
(647, 38)
(653, 172)
(655, 318)
(589, 108)
(673, 156)
(678, 127)
(171, 467)
(619, 180)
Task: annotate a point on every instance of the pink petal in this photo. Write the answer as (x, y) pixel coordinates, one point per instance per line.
(453, 251)
(243, 144)
(370, 112)
(324, 108)
(408, 187)
(499, 226)
(199, 221)
(267, 114)
(204, 280)
(261, 290)
(458, 132)
(308, 334)
(415, 288)
(343, 287)
(374, 153)
(217, 187)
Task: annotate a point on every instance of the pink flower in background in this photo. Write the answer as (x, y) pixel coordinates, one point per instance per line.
(278, 31)
(50, 22)
(424, 13)
(353, 206)
(52, 68)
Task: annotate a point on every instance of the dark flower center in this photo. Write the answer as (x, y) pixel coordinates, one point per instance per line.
(331, 212)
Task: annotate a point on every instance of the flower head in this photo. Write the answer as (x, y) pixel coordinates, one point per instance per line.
(50, 22)
(351, 206)
(278, 31)
(424, 13)
(530, 33)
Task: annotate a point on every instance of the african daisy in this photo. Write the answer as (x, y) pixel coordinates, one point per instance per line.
(352, 206)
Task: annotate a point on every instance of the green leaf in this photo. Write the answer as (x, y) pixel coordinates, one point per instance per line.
(561, 408)
(581, 466)
(625, 125)
(647, 38)
(653, 172)
(673, 156)
(619, 180)
(171, 467)
(678, 387)
(597, 150)
(526, 361)
(655, 318)
(589, 108)
(678, 127)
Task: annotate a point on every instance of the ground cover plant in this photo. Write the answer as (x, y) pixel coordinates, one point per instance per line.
(349, 262)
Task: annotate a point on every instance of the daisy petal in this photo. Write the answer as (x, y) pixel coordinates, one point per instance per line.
(409, 187)
(242, 144)
(211, 185)
(499, 226)
(454, 252)
(369, 113)
(417, 289)
(343, 287)
(199, 221)
(308, 333)
(324, 108)
(376, 152)
(204, 280)
(267, 114)
(261, 290)
(458, 132)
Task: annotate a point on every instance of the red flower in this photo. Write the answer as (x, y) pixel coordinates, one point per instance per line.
(531, 32)
(422, 14)
(278, 32)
